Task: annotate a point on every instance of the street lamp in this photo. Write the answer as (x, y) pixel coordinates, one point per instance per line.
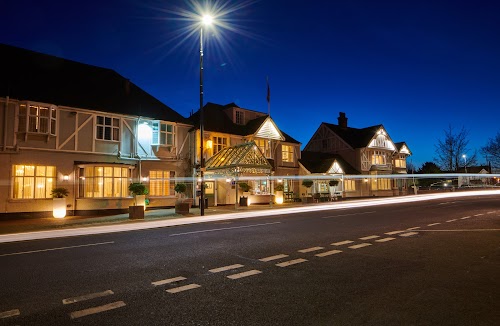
(205, 21)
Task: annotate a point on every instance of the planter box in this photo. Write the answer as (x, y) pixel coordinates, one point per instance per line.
(307, 199)
(136, 212)
(182, 206)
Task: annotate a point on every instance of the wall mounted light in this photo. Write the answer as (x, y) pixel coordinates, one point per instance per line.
(65, 177)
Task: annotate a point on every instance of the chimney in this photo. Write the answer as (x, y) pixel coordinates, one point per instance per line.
(342, 120)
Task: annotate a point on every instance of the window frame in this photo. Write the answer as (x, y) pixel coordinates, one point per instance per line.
(26, 119)
(114, 130)
(167, 179)
(49, 181)
(90, 183)
(289, 158)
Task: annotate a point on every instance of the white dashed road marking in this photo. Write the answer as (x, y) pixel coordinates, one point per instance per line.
(361, 245)
(311, 249)
(244, 274)
(385, 239)
(184, 288)
(291, 262)
(222, 229)
(95, 310)
(10, 313)
(491, 212)
(87, 297)
(370, 237)
(453, 220)
(432, 224)
(395, 232)
(409, 234)
(169, 280)
(341, 243)
(349, 214)
(225, 268)
(464, 218)
(60, 248)
(414, 228)
(479, 215)
(328, 253)
(266, 259)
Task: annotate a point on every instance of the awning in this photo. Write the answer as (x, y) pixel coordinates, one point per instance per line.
(245, 158)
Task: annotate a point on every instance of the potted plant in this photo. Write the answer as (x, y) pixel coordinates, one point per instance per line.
(278, 192)
(308, 184)
(333, 184)
(59, 202)
(181, 205)
(139, 191)
(245, 187)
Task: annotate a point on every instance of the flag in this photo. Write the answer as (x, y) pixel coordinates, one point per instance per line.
(268, 91)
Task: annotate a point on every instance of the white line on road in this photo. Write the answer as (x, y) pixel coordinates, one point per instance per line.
(266, 259)
(395, 232)
(244, 274)
(361, 245)
(432, 224)
(385, 239)
(225, 268)
(479, 215)
(349, 214)
(464, 218)
(310, 249)
(414, 228)
(291, 262)
(466, 230)
(10, 313)
(168, 280)
(222, 229)
(184, 288)
(95, 310)
(453, 220)
(491, 212)
(328, 253)
(60, 248)
(370, 237)
(87, 297)
(409, 234)
(341, 243)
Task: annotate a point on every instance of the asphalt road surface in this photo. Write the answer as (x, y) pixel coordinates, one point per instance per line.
(425, 263)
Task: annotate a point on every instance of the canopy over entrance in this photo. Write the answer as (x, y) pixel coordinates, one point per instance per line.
(244, 158)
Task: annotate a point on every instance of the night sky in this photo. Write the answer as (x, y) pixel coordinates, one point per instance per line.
(414, 66)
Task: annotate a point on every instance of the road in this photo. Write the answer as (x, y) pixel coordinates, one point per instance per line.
(423, 263)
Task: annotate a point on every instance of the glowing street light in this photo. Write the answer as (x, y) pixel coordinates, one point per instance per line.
(206, 20)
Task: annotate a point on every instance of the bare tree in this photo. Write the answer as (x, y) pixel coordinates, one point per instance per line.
(492, 150)
(451, 150)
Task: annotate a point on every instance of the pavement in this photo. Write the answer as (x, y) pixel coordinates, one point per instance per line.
(16, 226)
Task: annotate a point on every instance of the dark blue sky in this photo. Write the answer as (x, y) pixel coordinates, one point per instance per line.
(414, 66)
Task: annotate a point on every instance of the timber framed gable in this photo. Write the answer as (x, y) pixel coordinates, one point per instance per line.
(325, 140)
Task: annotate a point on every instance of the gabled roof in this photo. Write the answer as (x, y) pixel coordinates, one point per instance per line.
(316, 162)
(356, 138)
(400, 145)
(242, 158)
(215, 119)
(31, 76)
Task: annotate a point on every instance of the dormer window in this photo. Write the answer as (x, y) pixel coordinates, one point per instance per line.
(239, 117)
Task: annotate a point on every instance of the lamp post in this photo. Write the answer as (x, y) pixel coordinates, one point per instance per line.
(465, 166)
(206, 21)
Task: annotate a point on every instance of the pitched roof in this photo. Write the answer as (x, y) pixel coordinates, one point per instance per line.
(240, 158)
(316, 162)
(215, 119)
(32, 76)
(400, 145)
(356, 138)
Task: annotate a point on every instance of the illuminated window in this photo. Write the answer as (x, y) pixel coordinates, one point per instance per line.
(32, 181)
(400, 162)
(104, 181)
(219, 143)
(239, 117)
(163, 134)
(381, 184)
(287, 153)
(37, 119)
(160, 183)
(265, 147)
(107, 128)
(378, 158)
(349, 185)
